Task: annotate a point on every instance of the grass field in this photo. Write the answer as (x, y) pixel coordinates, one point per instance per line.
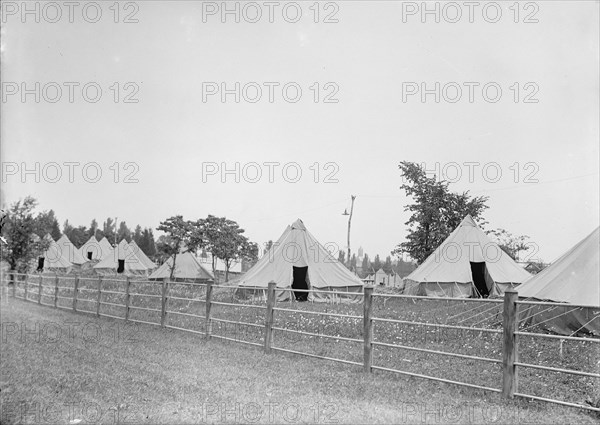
(111, 370)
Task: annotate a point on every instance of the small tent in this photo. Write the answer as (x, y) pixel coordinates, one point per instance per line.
(150, 265)
(70, 252)
(93, 250)
(122, 260)
(467, 264)
(187, 269)
(52, 260)
(298, 261)
(574, 279)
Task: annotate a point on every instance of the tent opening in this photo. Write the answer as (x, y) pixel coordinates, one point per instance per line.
(40, 264)
(478, 274)
(89, 255)
(300, 282)
(121, 267)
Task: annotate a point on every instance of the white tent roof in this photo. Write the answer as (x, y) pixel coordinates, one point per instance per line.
(573, 278)
(110, 264)
(298, 247)
(53, 258)
(98, 250)
(450, 262)
(143, 257)
(69, 251)
(186, 267)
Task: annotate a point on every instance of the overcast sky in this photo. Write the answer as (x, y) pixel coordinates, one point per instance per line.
(372, 61)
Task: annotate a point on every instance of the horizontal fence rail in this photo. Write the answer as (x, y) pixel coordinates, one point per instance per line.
(190, 307)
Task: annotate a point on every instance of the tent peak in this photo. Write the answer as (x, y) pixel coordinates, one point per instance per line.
(298, 224)
(468, 221)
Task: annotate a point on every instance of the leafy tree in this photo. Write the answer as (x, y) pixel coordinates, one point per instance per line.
(352, 265)
(67, 228)
(509, 243)
(93, 228)
(78, 236)
(435, 211)
(123, 232)
(366, 265)
(147, 243)
(47, 223)
(108, 229)
(376, 264)
(342, 256)
(137, 235)
(20, 244)
(177, 232)
(387, 266)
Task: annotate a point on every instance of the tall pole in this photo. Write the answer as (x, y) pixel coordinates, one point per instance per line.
(349, 222)
(116, 219)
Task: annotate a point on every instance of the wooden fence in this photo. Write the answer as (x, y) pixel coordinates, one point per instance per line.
(31, 288)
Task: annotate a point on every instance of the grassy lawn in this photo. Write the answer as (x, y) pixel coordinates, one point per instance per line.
(106, 371)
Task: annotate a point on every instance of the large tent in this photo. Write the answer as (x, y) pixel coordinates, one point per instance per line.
(298, 261)
(150, 265)
(573, 278)
(187, 269)
(70, 252)
(122, 260)
(93, 250)
(52, 259)
(467, 264)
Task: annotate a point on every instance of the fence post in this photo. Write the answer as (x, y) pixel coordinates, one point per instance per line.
(209, 288)
(40, 290)
(14, 282)
(55, 291)
(368, 328)
(75, 291)
(269, 317)
(509, 344)
(127, 297)
(163, 306)
(26, 287)
(99, 299)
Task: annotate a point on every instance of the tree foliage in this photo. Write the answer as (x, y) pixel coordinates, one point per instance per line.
(435, 211)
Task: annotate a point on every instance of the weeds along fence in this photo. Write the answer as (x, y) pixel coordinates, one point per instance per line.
(485, 344)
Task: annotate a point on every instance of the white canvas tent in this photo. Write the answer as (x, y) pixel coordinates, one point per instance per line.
(70, 252)
(96, 250)
(468, 263)
(297, 260)
(187, 269)
(122, 260)
(150, 265)
(53, 260)
(574, 278)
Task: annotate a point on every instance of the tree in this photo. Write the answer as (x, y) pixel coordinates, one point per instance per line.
(387, 266)
(509, 243)
(342, 256)
(376, 263)
(93, 228)
(78, 236)
(21, 245)
(366, 265)
(67, 228)
(137, 235)
(108, 229)
(226, 240)
(47, 223)
(436, 211)
(177, 232)
(123, 232)
(268, 246)
(352, 265)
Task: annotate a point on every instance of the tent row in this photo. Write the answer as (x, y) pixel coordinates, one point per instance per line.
(63, 257)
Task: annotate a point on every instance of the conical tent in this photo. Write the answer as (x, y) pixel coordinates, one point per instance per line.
(121, 260)
(69, 251)
(150, 265)
(93, 250)
(187, 269)
(53, 260)
(574, 278)
(298, 261)
(468, 263)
